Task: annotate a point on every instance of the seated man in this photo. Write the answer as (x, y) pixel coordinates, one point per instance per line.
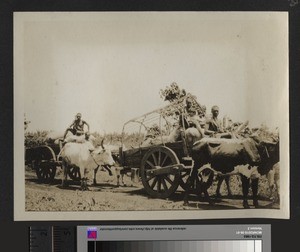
(214, 126)
(77, 126)
(192, 117)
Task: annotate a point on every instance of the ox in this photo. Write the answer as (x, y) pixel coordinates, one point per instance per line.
(81, 155)
(249, 157)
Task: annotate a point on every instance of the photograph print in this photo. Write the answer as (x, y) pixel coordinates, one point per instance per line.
(151, 115)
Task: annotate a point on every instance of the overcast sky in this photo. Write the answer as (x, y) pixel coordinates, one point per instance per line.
(111, 66)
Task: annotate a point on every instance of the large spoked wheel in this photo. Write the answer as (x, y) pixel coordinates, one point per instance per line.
(45, 166)
(45, 171)
(74, 173)
(160, 184)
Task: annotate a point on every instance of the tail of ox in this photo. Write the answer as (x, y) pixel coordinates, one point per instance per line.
(80, 155)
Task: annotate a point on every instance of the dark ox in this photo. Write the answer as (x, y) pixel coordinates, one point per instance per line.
(86, 158)
(225, 154)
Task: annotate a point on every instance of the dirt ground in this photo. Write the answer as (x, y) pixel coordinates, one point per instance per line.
(108, 196)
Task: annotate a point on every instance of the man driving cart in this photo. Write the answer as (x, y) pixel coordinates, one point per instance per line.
(77, 127)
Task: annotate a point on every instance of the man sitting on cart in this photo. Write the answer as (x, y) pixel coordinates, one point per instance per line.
(77, 127)
(192, 116)
(214, 126)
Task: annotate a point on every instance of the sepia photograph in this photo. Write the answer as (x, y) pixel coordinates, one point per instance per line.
(151, 115)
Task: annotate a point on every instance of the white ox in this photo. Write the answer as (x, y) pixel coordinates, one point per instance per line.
(81, 156)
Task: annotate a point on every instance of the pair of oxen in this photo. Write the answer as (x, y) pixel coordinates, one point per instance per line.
(250, 157)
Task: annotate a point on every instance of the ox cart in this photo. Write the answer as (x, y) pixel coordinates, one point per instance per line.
(44, 159)
(155, 146)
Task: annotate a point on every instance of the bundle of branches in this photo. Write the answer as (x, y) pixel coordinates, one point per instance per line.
(177, 98)
(172, 93)
(242, 130)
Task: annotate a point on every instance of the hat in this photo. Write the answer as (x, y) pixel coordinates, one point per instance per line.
(78, 114)
(215, 108)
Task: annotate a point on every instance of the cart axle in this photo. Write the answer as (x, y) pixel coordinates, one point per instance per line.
(170, 169)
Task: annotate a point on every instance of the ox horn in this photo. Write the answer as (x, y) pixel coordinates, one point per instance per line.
(102, 144)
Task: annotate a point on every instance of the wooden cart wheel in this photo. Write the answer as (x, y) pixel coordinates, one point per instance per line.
(45, 171)
(198, 184)
(74, 173)
(44, 165)
(183, 178)
(183, 182)
(163, 185)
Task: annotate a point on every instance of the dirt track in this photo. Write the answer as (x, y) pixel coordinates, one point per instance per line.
(107, 196)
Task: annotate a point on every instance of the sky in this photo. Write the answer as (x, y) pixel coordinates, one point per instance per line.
(111, 66)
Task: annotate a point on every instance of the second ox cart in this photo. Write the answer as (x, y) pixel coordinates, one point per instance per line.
(155, 145)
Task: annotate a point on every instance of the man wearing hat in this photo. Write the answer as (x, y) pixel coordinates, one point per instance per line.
(77, 126)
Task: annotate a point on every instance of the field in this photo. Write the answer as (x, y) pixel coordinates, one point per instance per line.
(107, 196)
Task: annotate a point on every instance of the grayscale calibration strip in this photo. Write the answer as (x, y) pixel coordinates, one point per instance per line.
(174, 238)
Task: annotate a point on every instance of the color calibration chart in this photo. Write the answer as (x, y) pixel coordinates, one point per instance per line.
(173, 238)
